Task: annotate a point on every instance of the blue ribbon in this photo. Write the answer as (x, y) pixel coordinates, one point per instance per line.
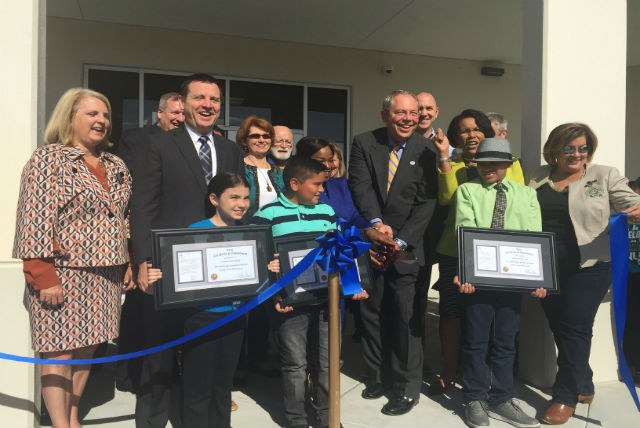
(619, 246)
(340, 249)
(348, 244)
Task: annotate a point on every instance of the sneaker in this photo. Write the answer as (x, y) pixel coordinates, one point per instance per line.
(475, 414)
(511, 413)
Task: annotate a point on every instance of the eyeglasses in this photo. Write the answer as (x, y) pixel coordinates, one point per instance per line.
(567, 150)
(283, 141)
(469, 131)
(256, 136)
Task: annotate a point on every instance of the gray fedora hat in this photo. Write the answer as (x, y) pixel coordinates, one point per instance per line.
(494, 150)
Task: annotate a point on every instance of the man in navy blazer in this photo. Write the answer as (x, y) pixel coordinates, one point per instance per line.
(392, 344)
(171, 192)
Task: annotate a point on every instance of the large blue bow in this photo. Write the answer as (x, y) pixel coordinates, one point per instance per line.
(339, 251)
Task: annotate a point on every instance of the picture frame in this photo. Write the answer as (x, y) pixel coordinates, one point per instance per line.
(210, 266)
(310, 287)
(507, 260)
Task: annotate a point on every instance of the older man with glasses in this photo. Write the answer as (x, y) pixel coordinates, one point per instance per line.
(282, 146)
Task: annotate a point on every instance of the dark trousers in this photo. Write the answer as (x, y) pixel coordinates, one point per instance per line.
(392, 341)
(209, 363)
(571, 314)
(631, 342)
(299, 332)
(130, 339)
(153, 398)
(480, 309)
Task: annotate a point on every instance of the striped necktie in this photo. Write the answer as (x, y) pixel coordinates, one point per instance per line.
(393, 164)
(497, 222)
(205, 157)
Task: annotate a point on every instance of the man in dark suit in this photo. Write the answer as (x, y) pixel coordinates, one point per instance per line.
(135, 143)
(393, 183)
(171, 192)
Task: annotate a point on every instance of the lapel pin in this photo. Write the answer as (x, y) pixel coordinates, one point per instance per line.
(412, 162)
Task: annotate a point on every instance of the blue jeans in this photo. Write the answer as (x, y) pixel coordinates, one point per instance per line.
(571, 314)
(480, 308)
(304, 328)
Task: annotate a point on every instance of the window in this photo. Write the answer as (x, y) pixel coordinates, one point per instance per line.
(277, 103)
(122, 90)
(306, 109)
(327, 113)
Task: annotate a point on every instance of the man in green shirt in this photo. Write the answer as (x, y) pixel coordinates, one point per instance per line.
(493, 201)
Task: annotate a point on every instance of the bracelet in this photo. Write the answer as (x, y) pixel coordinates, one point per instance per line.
(445, 159)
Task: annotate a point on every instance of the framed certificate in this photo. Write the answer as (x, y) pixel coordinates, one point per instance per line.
(311, 286)
(509, 260)
(217, 265)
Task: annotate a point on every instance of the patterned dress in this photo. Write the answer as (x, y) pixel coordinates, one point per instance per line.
(68, 216)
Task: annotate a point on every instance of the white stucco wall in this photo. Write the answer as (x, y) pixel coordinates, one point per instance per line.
(456, 84)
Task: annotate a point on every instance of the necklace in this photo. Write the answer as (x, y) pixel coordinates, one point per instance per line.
(266, 178)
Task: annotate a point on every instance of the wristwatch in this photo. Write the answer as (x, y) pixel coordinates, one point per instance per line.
(445, 159)
(402, 246)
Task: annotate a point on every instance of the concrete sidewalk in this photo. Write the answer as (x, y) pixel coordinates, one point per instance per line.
(260, 404)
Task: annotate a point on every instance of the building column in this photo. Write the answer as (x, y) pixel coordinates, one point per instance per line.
(21, 28)
(574, 70)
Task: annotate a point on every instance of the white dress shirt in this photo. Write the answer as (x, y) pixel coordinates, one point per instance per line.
(195, 136)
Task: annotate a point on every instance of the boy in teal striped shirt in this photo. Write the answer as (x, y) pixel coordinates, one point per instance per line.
(298, 211)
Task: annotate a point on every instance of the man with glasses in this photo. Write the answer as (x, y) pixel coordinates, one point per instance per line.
(393, 183)
(282, 146)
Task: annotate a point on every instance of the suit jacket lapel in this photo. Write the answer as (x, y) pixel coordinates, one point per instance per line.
(180, 137)
(221, 158)
(380, 161)
(404, 167)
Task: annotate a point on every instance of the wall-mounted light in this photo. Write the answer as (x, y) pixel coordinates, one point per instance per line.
(492, 71)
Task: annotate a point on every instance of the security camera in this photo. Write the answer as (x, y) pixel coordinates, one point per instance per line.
(387, 69)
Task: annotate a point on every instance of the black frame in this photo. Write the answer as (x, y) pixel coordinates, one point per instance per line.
(162, 257)
(545, 241)
(284, 245)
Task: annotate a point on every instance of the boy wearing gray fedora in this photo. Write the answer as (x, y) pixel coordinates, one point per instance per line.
(493, 201)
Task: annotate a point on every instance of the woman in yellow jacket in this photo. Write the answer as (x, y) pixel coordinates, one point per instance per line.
(465, 133)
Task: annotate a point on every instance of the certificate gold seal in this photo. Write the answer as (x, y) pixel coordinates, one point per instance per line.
(214, 276)
(505, 269)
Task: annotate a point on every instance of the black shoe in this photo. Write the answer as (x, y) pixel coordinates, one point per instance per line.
(373, 391)
(439, 387)
(399, 406)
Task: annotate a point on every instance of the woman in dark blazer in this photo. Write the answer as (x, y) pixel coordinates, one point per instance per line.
(71, 233)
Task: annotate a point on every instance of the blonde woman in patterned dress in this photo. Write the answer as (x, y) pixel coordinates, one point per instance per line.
(71, 233)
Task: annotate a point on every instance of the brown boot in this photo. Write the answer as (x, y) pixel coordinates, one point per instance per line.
(586, 399)
(557, 414)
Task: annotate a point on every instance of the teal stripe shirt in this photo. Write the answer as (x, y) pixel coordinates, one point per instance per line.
(288, 219)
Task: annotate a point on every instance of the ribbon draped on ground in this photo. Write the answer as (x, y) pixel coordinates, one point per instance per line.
(619, 246)
(333, 245)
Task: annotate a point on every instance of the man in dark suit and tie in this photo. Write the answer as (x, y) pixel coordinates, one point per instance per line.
(171, 192)
(135, 143)
(393, 183)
